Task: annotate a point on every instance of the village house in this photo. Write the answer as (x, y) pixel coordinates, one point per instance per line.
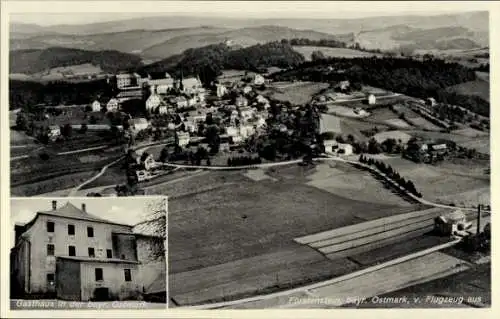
(138, 124)
(241, 101)
(232, 131)
(371, 99)
(182, 138)
(96, 106)
(191, 85)
(54, 132)
(247, 89)
(112, 105)
(70, 254)
(344, 149)
(247, 113)
(129, 94)
(181, 102)
(430, 101)
(330, 146)
(221, 90)
(127, 80)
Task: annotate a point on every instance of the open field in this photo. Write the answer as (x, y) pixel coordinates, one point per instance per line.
(423, 124)
(344, 111)
(346, 181)
(475, 283)
(296, 93)
(446, 182)
(49, 185)
(35, 174)
(260, 220)
(306, 51)
(397, 135)
(330, 123)
(478, 88)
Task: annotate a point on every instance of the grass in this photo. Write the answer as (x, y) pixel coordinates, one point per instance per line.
(397, 135)
(297, 93)
(306, 51)
(474, 283)
(346, 181)
(422, 123)
(51, 185)
(478, 88)
(444, 181)
(259, 219)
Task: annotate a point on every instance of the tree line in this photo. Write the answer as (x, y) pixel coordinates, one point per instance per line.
(38, 60)
(391, 173)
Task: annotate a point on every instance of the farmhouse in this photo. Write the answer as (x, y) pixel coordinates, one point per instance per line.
(221, 90)
(330, 145)
(112, 105)
(182, 138)
(241, 101)
(69, 254)
(371, 99)
(138, 124)
(54, 131)
(126, 80)
(247, 89)
(345, 149)
(96, 106)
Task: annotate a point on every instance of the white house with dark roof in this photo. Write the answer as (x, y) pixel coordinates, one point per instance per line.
(69, 254)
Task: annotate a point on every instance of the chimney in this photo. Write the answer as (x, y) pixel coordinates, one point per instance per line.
(54, 205)
(84, 207)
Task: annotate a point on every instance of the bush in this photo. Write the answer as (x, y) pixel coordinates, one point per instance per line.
(44, 156)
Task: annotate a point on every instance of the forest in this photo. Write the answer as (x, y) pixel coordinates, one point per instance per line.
(38, 60)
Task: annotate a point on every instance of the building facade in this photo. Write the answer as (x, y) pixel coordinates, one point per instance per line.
(69, 254)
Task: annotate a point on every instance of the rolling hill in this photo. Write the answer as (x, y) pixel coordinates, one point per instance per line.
(34, 61)
(159, 37)
(240, 37)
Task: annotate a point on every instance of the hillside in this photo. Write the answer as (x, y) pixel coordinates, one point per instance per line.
(34, 61)
(160, 44)
(133, 41)
(159, 37)
(307, 51)
(475, 21)
(210, 60)
(410, 39)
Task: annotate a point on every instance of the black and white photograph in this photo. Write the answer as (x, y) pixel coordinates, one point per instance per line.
(315, 155)
(87, 253)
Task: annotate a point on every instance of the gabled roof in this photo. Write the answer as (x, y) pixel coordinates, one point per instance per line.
(71, 211)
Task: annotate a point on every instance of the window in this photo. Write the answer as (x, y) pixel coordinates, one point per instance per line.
(109, 253)
(91, 252)
(50, 279)
(50, 250)
(90, 232)
(128, 275)
(71, 229)
(98, 274)
(50, 227)
(72, 251)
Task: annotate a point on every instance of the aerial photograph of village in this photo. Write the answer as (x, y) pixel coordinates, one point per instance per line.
(310, 160)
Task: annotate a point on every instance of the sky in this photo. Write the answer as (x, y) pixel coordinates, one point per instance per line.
(122, 210)
(100, 11)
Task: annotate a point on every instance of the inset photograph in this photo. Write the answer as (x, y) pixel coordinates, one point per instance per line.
(88, 253)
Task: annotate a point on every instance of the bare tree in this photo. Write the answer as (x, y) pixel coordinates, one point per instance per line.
(154, 228)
